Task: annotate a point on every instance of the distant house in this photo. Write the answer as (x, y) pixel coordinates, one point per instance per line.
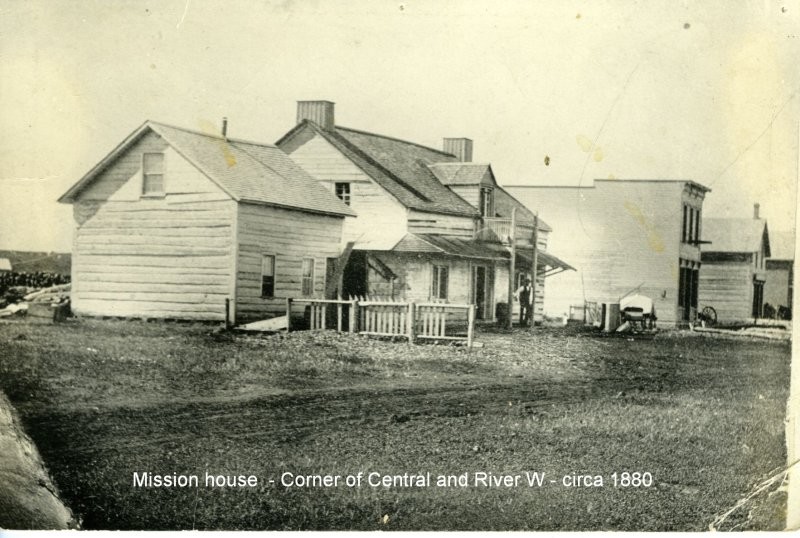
(624, 236)
(779, 287)
(5, 265)
(734, 267)
(174, 222)
(431, 224)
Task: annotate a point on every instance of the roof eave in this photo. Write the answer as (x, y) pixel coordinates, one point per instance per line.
(69, 196)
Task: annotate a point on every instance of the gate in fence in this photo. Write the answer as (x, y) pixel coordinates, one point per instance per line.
(414, 321)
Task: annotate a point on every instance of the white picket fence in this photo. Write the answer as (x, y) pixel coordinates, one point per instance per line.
(413, 321)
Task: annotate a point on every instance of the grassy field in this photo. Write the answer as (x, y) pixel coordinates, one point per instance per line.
(105, 399)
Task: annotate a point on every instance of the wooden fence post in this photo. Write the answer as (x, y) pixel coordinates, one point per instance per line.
(470, 325)
(227, 314)
(354, 316)
(411, 322)
(338, 317)
(288, 314)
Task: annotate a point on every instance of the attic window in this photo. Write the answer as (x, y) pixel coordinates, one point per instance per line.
(153, 174)
(343, 192)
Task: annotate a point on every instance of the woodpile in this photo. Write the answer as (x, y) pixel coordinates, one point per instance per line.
(51, 303)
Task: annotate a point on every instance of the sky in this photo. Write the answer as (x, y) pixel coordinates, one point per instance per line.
(706, 91)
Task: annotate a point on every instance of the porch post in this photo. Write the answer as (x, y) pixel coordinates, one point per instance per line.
(535, 269)
(511, 268)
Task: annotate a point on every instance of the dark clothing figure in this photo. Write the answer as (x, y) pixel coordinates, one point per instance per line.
(524, 295)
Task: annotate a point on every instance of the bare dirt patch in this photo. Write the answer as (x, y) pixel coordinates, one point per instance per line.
(106, 399)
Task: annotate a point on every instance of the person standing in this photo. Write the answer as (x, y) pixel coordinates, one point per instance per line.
(524, 294)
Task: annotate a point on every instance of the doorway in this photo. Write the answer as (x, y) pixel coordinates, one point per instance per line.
(481, 291)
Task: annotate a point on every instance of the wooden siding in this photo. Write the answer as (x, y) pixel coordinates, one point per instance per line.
(728, 288)
(618, 235)
(290, 236)
(155, 257)
(433, 223)
(380, 215)
(470, 193)
(776, 287)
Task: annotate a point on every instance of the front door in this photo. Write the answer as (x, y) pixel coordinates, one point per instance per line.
(479, 291)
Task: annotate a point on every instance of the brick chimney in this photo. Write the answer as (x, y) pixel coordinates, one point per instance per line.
(460, 147)
(756, 207)
(320, 112)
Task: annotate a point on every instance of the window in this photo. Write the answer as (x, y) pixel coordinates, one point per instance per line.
(308, 277)
(697, 225)
(691, 224)
(439, 282)
(343, 192)
(268, 276)
(153, 173)
(684, 237)
(487, 202)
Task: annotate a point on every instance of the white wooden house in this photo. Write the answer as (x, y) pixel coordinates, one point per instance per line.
(174, 222)
(423, 213)
(734, 267)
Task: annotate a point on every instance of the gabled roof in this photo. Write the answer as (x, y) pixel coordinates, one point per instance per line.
(735, 235)
(460, 173)
(398, 166)
(246, 171)
(782, 245)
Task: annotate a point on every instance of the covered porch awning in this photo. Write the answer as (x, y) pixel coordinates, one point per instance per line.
(466, 248)
(451, 246)
(552, 264)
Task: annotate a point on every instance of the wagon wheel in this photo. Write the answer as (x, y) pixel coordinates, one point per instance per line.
(709, 315)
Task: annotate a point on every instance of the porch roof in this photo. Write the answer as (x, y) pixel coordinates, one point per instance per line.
(544, 258)
(453, 246)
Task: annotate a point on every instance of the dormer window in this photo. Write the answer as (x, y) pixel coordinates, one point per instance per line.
(153, 174)
(487, 202)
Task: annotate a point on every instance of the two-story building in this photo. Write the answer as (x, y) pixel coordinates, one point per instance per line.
(431, 225)
(623, 236)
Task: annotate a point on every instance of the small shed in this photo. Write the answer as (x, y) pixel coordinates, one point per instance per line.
(5, 265)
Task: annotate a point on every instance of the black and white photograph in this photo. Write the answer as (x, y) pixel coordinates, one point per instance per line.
(399, 265)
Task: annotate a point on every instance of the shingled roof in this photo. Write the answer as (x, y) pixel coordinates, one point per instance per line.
(463, 173)
(735, 235)
(398, 166)
(246, 171)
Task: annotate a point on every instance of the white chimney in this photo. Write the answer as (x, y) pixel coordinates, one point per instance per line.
(460, 147)
(320, 112)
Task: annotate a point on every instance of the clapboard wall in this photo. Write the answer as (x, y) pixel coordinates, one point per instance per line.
(619, 235)
(380, 215)
(728, 288)
(289, 236)
(167, 256)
